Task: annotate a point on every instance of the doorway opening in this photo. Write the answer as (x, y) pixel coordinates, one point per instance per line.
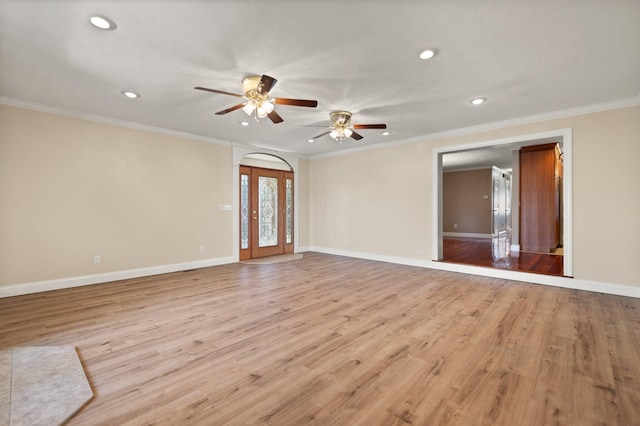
(266, 206)
(475, 248)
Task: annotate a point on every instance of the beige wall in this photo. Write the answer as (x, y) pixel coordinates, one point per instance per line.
(303, 202)
(71, 189)
(380, 201)
(463, 202)
(374, 201)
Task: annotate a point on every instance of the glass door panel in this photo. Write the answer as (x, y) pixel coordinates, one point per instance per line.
(267, 211)
(288, 211)
(501, 215)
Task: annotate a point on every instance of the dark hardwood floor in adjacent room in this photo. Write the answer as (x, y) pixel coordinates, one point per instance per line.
(477, 251)
(331, 340)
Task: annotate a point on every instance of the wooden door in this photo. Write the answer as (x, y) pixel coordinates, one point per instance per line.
(540, 176)
(266, 212)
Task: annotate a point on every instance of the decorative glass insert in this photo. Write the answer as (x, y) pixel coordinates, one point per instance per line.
(268, 211)
(244, 211)
(288, 211)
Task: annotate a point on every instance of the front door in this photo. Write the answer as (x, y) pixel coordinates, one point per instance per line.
(266, 212)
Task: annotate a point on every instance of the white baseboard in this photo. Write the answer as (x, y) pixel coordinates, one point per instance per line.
(57, 284)
(515, 247)
(465, 235)
(564, 282)
(550, 280)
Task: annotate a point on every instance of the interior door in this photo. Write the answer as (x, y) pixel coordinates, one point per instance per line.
(266, 212)
(501, 215)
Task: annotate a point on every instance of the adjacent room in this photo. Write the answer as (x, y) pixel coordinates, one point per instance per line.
(292, 212)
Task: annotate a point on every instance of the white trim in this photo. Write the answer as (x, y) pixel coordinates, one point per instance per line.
(515, 247)
(571, 112)
(567, 201)
(106, 120)
(57, 284)
(465, 235)
(238, 154)
(567, 181)
(471, 169)
(437, 201)
(276, 163)
(564, 282)
(550, 280)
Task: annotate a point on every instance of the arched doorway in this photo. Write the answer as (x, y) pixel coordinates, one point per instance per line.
(266, 206)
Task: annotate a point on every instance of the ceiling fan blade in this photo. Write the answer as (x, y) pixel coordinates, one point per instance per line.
(273, 116)
(218, 91)
(266, 84)
(369, 126)
(321, 134)
(233, 108)
(356, 136)
(297, 102)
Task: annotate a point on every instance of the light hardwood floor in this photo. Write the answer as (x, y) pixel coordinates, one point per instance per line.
(337, 341)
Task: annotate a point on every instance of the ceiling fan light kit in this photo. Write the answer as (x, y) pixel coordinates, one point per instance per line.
(257, 101)
(341, 133)
(339, 122)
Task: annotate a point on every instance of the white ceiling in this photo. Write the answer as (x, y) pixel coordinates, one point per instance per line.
(526, 57)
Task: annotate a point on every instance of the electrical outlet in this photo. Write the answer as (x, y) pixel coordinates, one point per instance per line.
(419, 251)
(96, 260)
(201, 249)
(455, 226)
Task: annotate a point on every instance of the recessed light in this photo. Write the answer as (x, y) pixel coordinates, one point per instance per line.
(428, 53)
(386, 133)
(102, 22)
(477, 101)
(244, 123)
(311, 140)
(131, 95)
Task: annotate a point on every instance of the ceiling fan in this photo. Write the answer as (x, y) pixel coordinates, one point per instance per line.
(257, 101)
(341, 127)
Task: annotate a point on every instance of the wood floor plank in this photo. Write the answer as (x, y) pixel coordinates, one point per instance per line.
(330, 340)
(477, 251)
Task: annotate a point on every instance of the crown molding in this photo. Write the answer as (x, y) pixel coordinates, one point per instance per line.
(4, 100)
(570, 112)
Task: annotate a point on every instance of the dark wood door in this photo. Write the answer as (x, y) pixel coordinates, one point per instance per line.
(266, 212)
(540, 177)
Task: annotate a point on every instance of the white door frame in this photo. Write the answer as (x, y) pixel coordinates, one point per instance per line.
(567, 187)
(238, 154)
